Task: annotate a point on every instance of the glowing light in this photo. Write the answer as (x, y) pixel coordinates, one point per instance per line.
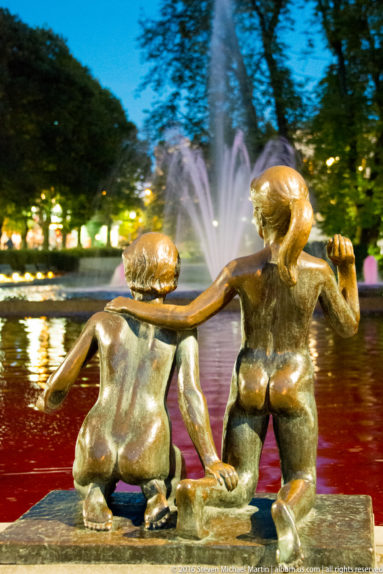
(104, 192)
(360, 168)
(132, 214)
(43, 196)
(50, 274)
(28, 277)
(330, 161)
(148, 192)
(214, 223)
(39, 275)
(16, 277)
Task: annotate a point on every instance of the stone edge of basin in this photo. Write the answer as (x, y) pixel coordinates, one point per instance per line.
(371, 301)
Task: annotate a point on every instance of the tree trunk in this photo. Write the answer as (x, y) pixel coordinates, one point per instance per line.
(79, 244)
(24, 233)
(1, 229)
(64, 236)
(45, 228)
(108, 233)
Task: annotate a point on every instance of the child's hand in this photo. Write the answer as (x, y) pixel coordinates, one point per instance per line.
(118, 304)
(50, 400)
(340, 251)
(224, 473)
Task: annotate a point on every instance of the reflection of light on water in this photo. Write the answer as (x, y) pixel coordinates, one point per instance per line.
(33, 293)
(56, 341)
(45, 347)
(37, 331)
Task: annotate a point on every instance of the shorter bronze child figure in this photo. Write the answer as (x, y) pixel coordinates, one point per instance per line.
(127, 434)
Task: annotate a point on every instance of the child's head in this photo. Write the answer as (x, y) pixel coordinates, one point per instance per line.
(282, 207)
(152, 264)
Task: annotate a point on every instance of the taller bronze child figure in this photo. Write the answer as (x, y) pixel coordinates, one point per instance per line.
(278, 288)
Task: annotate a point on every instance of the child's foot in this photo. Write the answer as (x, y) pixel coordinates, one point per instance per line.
(157, 512)
(289, 550)
(96, 513)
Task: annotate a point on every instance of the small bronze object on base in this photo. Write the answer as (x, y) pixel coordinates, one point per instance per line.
(338, 533)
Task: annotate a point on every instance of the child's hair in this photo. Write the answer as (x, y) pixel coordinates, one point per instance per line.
(281, 196)
(152, 264)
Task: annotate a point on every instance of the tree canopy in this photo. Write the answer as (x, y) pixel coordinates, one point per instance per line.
(61, 132)
(347, 128)
(220, 66)
(220, 63)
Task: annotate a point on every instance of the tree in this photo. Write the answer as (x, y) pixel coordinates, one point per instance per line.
(348, 126)
(121, 187)
(247, 83)
(61, 131)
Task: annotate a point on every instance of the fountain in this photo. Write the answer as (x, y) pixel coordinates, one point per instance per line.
(212, 199)
(219, 223)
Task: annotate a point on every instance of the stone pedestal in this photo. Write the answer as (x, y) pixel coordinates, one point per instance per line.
(339, 532)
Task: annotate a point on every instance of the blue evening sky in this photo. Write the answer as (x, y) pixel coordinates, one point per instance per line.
(102, 34)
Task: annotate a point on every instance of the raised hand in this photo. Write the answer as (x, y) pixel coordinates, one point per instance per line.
(340, 251)
(223, 473)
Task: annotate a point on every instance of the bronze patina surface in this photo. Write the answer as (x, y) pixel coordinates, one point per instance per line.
(337, 533)
(127, 433)
(278, 288)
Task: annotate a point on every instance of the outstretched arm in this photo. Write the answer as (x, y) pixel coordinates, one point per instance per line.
(60, 382)
(194, 411)
(340, 302)
(180, 316)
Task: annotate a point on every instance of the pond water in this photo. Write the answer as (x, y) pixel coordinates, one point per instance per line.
(37, 450)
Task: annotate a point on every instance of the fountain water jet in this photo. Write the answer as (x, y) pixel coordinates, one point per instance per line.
(219, 220)
(216, 205)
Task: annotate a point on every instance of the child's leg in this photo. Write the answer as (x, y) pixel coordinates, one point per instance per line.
(160, 494)
(244, 437)
(157, 510)
(177, 473)
(93, 476)
(96, 513)
(297, 440)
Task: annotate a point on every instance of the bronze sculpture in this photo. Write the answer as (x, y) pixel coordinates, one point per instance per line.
(127, 434)
(278, 289)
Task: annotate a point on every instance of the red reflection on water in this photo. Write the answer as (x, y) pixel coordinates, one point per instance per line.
(37, 450)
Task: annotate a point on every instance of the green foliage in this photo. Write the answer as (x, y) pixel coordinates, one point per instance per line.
(43, 260)
(64, 260)
(347, 166)
(62, 133)
(249, 84)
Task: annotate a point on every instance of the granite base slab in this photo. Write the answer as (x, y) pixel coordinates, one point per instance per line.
(339, 532)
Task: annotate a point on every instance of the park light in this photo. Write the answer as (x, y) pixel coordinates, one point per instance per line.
(148, 196)
(132, 215)
(43, 196)
(16, 277)
(104, 192)
(330, 161)
(214, 223)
